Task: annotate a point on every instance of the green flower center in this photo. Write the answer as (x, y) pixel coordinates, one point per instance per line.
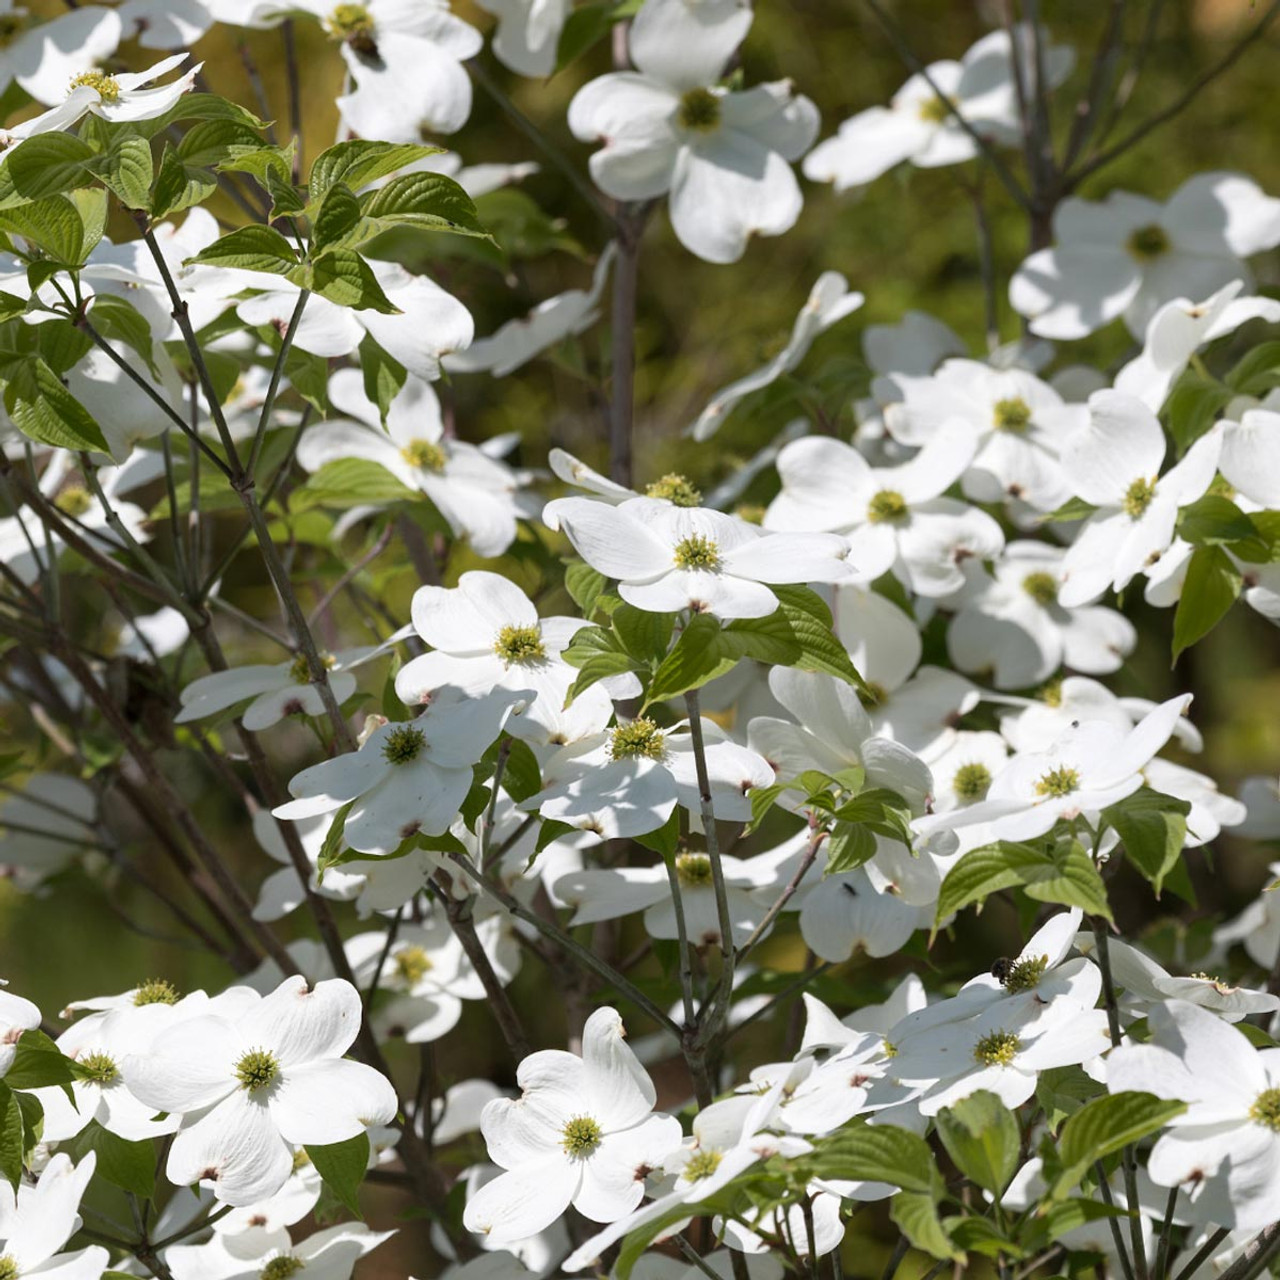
(1013, 414)
(936, 109)
(155, 991)
(693, 870)
(1025, 974)
(300, 1159)
(637, 738)
(1148, 242)
(286, 1264)
(1058, 782)
(412, 964)
(1138, 497)
(971, 782)
(872, 694)
(403, 744)
(8, 1263)
(887, 505)
(581, 1137)
(108, 86)
(257, 1069)
(1041, 587)
(73, 501)
(1051, 693)
(699, 111)
(696, 552)
(1266, 1109)
(676, 489)
(424, 455)
(99, 1068)
(520, 645)
(354, 25)
(702, 1164)
(300, 670)
(999, 1049)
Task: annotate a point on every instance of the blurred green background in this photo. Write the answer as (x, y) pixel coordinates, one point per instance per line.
(907, 242)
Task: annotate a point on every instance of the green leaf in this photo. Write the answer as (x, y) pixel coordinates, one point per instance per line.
(116, 317)
(42, 408)
(1214, 521)
(252, 248)
(1153, 829)
(585, 586)
(850, 845)
(344, 277)
(352, 482)
(981, 1136)
(358, 162)
(522, 776)
(645, 636)
(666, 838)
(1072, 509)
(1062, 1091)
(180, 186)
(128, 170)
(810, 622)
(338, 215)
(584, 28)
(422, 201)
(218, 143)
(1192, 407)
(916, 1216)
(54, 225)
(1208, 592)
(1105, 1125)
(696, 658)
(12, 1130)
(1064, 875)
(341, 1166)
(1257, 372)
(46, 165)
(128, 1165)
(335, 840)
(38, 1063)
(875, 1153)
(383, 376)
(979, 1235)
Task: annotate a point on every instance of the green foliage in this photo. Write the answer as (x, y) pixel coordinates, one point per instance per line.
(1104, 1126)
(42, 408)
(1209, 590)
(982, 1137)
(342, 1166)
(131, 1166)
(1153, 829)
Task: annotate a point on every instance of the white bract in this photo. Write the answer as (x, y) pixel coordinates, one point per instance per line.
(36, 1221)
(580, 1133)
(668, 127)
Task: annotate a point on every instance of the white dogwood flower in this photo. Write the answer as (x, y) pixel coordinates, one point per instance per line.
(528, 33)
(668, 127)
(666, 558)
(1128, 255)
(37, 1219)
(581, 1132)
(16, 1016)
(117, 97)
(44, 56)
(1114, 463)
(254, 1078)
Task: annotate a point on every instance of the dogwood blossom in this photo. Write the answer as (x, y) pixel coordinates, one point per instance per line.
(578, 1134)
(37, 1220)
(16, 1016)
(247, 1083)
(1128, 255)
(668, 127)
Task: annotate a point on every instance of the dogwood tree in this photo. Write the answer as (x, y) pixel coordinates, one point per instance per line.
(583, 854)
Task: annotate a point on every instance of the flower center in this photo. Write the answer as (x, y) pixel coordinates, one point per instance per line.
(936, 109)
(971, 782)
(108, 86)
(1025, 974)
(353, 24)
(155, 991)
(300, 1159)
(8, 1263)
(1266, 1109)
(1137, 497)
(581, 1137)
(1013, 414)
(520, 645)
(424, 455)
(676, 489)
(1058, 782)
(998, 1049)
(73, 501)
(99, 1068)
(286, 1264)
(1051, 693)
(696, 552)
(1148, 242)
(257, 1069)
(412, 963)
(1041, 587)
(872, 694)
(699, 111)
(887, 505)
(702, 1164)
(300, 670)
(638, 738)
(693, 870)
(403, 744)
